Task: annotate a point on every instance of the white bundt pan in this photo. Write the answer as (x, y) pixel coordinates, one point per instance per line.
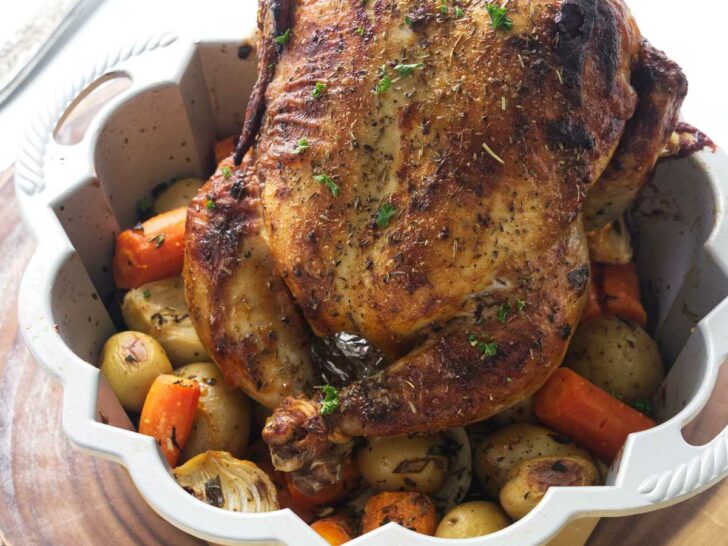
(183, 94)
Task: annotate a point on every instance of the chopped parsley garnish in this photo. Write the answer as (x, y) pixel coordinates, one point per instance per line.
(147, 293)
(226, 172)
(503, 311)
(318, 90)
(384, 214)
(360, 31)
(325, 179)
(383, 85)
(643, 406)
(408, 20)
(158, 240)
(302, 146)
(459, 13)
(520, 305)
(487, 348)
(407, 69)
(331, 400)
(284, 38)
(209, 204)
(498, 17)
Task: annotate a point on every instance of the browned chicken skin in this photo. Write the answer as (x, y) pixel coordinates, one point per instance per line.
(417, 177)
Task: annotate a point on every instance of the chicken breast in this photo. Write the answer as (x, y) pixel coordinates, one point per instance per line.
(415, 174)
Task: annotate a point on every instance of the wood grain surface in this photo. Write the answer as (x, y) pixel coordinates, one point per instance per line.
(52, 494)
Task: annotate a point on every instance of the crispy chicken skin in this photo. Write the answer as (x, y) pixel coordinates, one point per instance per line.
(427, 202)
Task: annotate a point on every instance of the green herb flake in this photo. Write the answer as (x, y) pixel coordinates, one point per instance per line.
(325, 179)
(302, 146)
(318, 90)
(360, 31)
(147, 293)
(226, 172)
(383, 85)
(503, 311)
(209, 204)
(487, 348)
(331, 400)
(520, 305)
(409, 21)
(498, 17)
(284, 38)
(158, 240)
(407, 69)
(644, 406)
(459, 13)
(384, 214)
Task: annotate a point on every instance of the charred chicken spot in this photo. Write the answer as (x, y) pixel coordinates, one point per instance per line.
(569, 133)
(237, 190)
(578, 278)
(574, 25)
(565, 331)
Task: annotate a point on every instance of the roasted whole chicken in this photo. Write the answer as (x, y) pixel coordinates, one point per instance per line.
(419, 174)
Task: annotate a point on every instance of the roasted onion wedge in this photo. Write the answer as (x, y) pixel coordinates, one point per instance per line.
(219, 479)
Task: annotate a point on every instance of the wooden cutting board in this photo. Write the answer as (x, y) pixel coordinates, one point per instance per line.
(52, 494)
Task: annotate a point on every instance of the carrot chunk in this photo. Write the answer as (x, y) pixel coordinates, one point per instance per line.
(570, 404)
(151, 252)
(335, 530)
(410, 509)
(168, 413)
(622, 293)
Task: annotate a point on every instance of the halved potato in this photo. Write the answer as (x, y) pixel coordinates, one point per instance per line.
(159, 309)
(177, 194)
(222, 422)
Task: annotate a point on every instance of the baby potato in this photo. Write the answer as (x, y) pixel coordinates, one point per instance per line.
(528, 482)
(222, 421)
(618, 356)
(509, 446)
(160, 310)
(177, 194)
(520, 412)
(130, 362)
(404, 463)
(472, 519)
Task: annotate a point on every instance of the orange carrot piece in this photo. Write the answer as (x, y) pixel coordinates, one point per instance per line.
(169, 412)
(335, 530)
(224, 148)
(573, 406)
(152, 252)
(622, 293)
(330, 494)
(410, 509)
(593, 307)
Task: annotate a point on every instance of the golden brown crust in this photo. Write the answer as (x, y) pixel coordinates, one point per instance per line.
(662, 87)
(241, 308)
(480, 143)
(463, 220)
